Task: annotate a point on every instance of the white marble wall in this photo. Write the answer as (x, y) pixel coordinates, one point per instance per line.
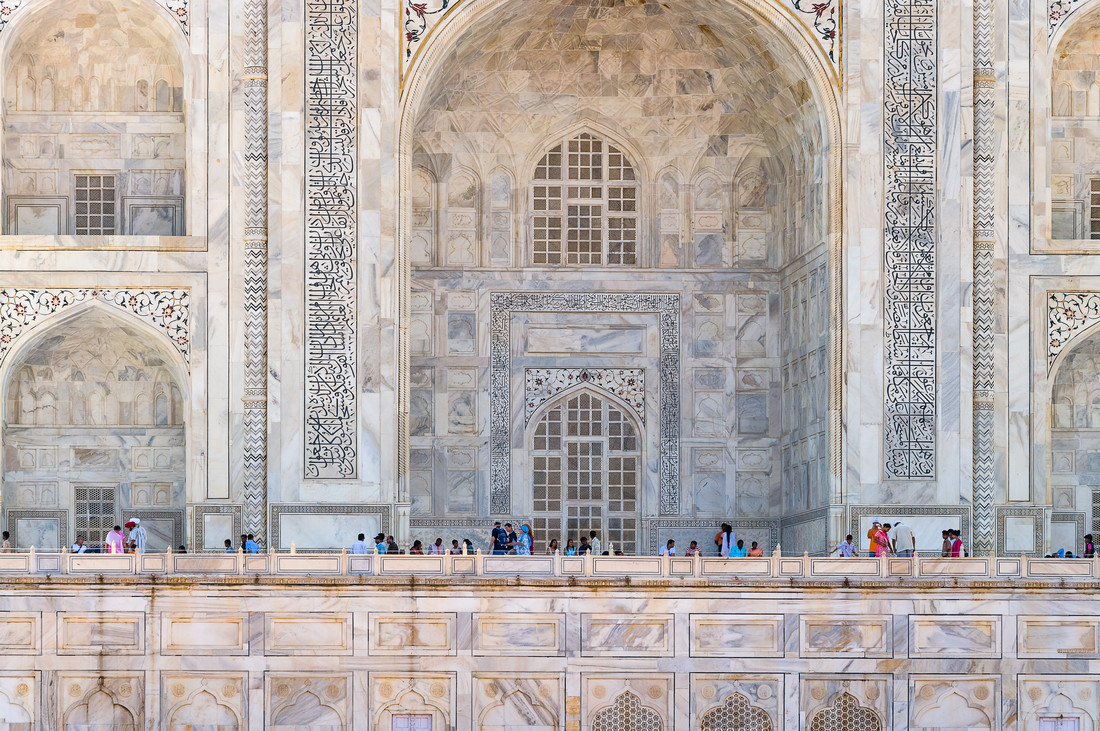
(777, 656)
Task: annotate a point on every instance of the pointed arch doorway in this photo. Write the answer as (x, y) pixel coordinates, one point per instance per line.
(586, 454)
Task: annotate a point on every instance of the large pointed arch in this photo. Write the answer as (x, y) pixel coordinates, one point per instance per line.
(818, 84)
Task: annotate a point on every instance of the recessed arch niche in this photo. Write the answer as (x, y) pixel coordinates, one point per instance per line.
(96, 100)
(95, 406)
(701, 95)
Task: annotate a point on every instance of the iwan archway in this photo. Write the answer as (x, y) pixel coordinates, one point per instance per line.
(641, 193)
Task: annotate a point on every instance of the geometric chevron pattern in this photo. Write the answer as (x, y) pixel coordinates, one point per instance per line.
(254, 81)
(983, 292)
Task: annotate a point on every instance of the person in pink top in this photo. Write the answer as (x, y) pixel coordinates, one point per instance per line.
(882, 540)
(114, 541)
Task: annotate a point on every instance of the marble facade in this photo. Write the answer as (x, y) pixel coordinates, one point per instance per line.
(835, 264)
(671, 654)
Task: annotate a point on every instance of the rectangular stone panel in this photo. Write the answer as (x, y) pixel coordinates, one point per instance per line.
(409, 633)
(20, 634)
(540, 635)
(316, 633)
(626, 635)
(92, 633)
(846, 636)
(939, 636)
(1057, 637)
(736, 635)
(205, 634)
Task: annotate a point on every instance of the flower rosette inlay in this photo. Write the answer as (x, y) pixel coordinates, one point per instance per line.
(543, 384)
(167, 310)
(1068, 313)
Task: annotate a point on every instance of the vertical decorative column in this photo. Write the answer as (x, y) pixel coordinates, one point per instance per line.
(331, 427)
(254, 82)
(984, 241)
(909, 213)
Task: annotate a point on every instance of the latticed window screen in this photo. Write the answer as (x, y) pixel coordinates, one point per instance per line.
(94, 513)
(585, 201)
(627, 714)
(845, 715)
(586, 463)
(411, 722)
(737, 714)
(95, 205)
(1094, 208)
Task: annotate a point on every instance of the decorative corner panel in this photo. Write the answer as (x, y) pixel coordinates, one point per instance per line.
(543, 384)
(177, 9)
(168, 310)
(909, 142)
(331, 151)
(504, 304)
(1068, 314)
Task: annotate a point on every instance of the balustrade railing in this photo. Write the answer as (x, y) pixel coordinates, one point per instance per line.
(487, 565)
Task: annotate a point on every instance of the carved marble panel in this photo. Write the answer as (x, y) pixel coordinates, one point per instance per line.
(95, 633)
(938, 703)
(623, 635)
(909, 98)
(519, 634)
(510, 701)
(736, 701)
(313, 633)
(104, 699)
(939, 636)
(428, 633)
(204, 700)
(331, 287)
(21, 633)
(299, 700)
(737, 635)
(204, 634)
(846, 636)
(627, 701)
(19, 692)
(1057, 637)
(428, 694)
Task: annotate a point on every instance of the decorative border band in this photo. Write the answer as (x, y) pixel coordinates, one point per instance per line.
(504, 304)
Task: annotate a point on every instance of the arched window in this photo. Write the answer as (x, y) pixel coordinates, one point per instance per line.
(586, 463)
(585, 203)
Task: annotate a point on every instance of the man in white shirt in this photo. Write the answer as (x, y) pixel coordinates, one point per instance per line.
(79, 546)
(669, 549)
(846, 548)
(904, 541)
(360, 546)
(437, 549)
(137, 534)
(597, 549)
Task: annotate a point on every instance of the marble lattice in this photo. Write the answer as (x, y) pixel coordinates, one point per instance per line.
(909, 140)
(331, 302)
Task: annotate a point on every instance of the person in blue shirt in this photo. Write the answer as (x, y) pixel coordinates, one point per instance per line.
(250, 546)
(739, 550)
(360, 545)
(228, 546)
(380, 542)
